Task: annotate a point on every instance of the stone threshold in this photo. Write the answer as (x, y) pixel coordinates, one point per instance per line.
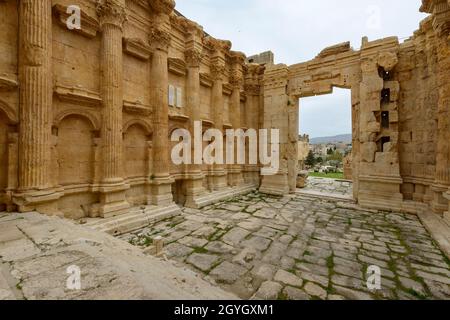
(222, 195)
(325, 195)
(438, 228)
(138, 218)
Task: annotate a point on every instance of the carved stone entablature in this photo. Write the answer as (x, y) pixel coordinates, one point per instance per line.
(177, 66)
(8, 82)
(206, 80)
(135, 107)
(387, 60)
(111, 12)
(217, 45)
(336, 49)
(159, 39)
(89, 25)
(178, 117)
(162, 6)
(193, 58)
(227, 89)
(78, 96)
(137, 48)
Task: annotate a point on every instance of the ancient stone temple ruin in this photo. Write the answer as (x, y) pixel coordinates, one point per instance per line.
(86, 115)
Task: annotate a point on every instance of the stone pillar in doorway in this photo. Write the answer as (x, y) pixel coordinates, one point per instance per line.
(276, 116)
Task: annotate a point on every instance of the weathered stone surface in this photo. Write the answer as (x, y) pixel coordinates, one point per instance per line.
(315, 290)
(269, 290)
(295, 294)
(204, 262)
(288, 279)
(227, 272)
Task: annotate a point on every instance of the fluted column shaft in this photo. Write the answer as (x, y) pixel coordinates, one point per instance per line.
(35, 95)
(112, 79)
(159, 76)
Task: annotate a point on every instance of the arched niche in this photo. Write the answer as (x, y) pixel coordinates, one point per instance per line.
(137, 140)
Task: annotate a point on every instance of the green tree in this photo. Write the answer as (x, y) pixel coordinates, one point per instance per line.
(310, 159)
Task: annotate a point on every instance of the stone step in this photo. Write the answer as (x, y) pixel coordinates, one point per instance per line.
(134, 220)
(222, 195)
(323, 195)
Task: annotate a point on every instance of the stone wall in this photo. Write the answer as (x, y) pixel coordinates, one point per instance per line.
(400, 112)
(91, 137)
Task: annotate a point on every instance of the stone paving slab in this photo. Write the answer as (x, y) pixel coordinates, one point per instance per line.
(297, 247)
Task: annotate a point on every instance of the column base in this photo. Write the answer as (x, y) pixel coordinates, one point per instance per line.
(219, 180)
(439, 204)
(194, 190)
(162, 191)
(235, 178)
(112, 201)
(277, 185)
(42, 201)
(447, 213)
(380, 193)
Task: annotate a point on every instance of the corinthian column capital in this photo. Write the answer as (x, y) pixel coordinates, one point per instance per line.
(193, 58)
(217, 71)
(111, 12)
(236, 80)
(159, 38)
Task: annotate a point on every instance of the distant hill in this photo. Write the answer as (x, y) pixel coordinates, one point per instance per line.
(346, 138)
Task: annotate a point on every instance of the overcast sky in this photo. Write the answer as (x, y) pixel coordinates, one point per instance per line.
(297, 30)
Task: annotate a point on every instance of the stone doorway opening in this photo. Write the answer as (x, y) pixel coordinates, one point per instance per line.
(326, 142)
(178, 192)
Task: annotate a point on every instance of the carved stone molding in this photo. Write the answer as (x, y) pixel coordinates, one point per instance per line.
(8, 83)
(78, 96)
(237, 58)
(236, 80)
(162, 6)
(227, 89)
(89, 25)
(110, 12)
(135, 107)
(177, 66)
(206, 80)
(193, 58)
(252, 89)
(137, 48)
(159, 38)
(217, 45)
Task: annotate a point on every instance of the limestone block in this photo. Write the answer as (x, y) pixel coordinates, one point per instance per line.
(368, 150)
(387, 60)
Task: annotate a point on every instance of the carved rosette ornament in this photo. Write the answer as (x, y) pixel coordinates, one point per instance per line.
(111, 12)
(159, 39)
(193, 58)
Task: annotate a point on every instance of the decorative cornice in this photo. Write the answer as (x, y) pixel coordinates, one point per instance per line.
(176, 66)
(217, 45)
(193, 58)
(162, 6)
(237, 58)
(78, 96)
(159, 39)
(89, 25)
(136, 108)
(110, 12)
(137, 48)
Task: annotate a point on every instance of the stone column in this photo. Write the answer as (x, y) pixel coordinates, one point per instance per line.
(252, 113)
(159, 76)
(111, 15)
(193, 56)
(276, 116)
(440, 9)
(236, 81)
(217, 73)
(35, 75)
